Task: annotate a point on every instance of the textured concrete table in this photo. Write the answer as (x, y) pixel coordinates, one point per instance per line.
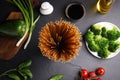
(42, 68)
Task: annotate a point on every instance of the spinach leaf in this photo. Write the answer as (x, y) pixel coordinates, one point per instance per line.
(56, 77)
(25, 64)
(14, 76)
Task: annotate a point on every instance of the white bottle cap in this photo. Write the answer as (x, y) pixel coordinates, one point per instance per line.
(46, 8)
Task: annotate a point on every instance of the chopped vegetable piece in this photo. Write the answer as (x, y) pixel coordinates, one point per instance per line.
(113, 34)
(97, 38)
(96, 29)
(113, 46)
(93, 46)
(89, 36)
(104, 53)
(103, 43)
(104, 32)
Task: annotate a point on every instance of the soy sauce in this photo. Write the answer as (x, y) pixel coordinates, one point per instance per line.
(75, 11)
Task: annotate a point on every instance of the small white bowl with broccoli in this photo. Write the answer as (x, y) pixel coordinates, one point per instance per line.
(103, 40)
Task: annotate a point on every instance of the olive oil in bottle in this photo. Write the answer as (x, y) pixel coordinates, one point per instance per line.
(103, 6)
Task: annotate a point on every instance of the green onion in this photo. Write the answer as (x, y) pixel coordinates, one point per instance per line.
(27, 11)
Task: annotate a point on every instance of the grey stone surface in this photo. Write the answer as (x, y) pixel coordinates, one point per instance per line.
(42, 67)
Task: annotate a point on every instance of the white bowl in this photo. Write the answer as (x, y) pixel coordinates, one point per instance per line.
(109, 26)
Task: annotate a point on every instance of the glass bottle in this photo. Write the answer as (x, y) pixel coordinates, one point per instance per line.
(103, 6)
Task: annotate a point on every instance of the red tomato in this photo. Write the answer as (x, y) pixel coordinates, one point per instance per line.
(92, 74)
(100, 71)
(98, 79)
(84, 73)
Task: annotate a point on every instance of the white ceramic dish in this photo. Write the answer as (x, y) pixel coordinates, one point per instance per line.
(109, 26)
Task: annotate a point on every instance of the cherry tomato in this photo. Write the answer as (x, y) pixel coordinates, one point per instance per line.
(98, 79)
(92, 74)
(84, 73)
(100, 71)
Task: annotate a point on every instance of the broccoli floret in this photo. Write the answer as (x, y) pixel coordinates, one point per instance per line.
(89, 36)
(93, 46)
(113, 34)
(97, 38)
(103, 40)
(96, 29)
(104, 53)
(103, 43)
(113, 46)
(104, 32)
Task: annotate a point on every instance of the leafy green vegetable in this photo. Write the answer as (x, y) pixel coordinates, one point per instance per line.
(26, 72)
(96, 29)
(22, 69)
(14, 76)
(27, 11)
(56, 77)
(113, 46)
(22, 74)
(25, 64)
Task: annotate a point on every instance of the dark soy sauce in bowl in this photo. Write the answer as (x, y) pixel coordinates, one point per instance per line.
(75, 11)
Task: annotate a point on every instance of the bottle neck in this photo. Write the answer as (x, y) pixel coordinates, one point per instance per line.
(109, 2)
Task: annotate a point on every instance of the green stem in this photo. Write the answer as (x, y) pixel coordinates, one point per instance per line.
(32, 26)
(31, 12)
(26, 16)
(30, 18)
(10, 1)
(36, 20)
(31, 30)
(24, 4)
(6, 72)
